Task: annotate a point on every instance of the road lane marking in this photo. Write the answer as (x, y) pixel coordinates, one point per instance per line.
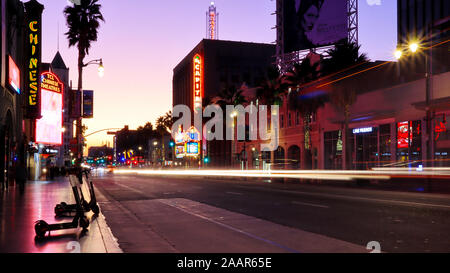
(309, 204)
(234, 193)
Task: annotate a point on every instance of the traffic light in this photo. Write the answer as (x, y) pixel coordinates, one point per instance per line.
(171, 144)
(206, 160)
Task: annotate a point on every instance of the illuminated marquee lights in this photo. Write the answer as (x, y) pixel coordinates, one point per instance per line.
(212, 25)
(198, 82)
(49, 127)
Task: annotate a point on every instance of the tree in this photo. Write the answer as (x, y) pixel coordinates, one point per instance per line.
(229, 96)
(272, 89)
(344, 94)
(83, 21)
(305, 100)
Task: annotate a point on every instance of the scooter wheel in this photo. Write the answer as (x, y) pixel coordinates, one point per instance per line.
(59, 210)
(41, 227)
(84, 222)
(96, 209)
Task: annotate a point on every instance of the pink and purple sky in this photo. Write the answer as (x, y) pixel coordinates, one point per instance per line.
(141, 42)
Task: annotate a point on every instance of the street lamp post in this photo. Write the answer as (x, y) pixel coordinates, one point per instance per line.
(101, 72)
(413, 48)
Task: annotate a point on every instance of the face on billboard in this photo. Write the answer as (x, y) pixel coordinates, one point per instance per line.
(314, 23)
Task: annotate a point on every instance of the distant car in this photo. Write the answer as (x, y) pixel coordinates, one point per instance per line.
(111, 168)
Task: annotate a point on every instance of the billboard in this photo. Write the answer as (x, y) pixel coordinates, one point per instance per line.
(49, 127)
(403, 135)
(313, 23)
(88, 104)
(13, 75)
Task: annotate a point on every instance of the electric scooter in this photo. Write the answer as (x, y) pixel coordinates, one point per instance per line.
(64, 208)
(80, 220)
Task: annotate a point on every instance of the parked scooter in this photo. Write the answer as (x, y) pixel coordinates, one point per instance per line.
(80, 220)
(84, 177)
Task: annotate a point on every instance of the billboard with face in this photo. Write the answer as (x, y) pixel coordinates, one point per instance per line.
(49, 127)
(314, 23)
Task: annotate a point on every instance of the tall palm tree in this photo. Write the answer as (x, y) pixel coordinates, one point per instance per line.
(272, 89)
(83, 21)
(305, 100)
(344, 94)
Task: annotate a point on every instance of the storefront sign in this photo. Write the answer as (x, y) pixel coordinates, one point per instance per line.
(33, 40)
(49, 127)
(13, 75)
(198, 82)
(363, 130)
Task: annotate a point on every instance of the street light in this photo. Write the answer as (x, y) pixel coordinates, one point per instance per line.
(413, 47)
(398, 54)
(79, 132)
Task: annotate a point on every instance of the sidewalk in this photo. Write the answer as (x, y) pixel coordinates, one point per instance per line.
(20, 210)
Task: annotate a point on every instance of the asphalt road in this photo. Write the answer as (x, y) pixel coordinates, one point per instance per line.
(161, 214)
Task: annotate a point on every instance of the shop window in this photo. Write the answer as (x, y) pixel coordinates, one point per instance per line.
(333, 150)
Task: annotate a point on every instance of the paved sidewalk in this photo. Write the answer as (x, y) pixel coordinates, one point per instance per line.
(20, 210)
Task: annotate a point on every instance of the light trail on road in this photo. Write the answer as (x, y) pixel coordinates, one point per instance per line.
(378, 174)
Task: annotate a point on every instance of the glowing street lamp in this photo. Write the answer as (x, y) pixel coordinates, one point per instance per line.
(398, 54)
(101, 69)
(413, 47)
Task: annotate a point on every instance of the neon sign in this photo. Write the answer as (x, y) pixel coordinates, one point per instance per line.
(49, 127)
(198, 82)
(212, 25)
(440, 128)
(32, 65)
(34, 61)
(363, 130)
(13, 75)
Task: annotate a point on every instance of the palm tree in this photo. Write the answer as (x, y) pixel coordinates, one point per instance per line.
(83, 21)
(272, 89)
(344, 94)
(229, 96)
(305, 100)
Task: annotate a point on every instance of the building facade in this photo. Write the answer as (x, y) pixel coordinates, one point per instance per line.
(12, 61)
(226, 64)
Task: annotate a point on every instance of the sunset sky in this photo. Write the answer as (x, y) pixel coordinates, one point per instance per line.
(142, 41)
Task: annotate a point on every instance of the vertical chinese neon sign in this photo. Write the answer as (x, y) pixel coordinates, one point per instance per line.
(33, 58)
(198, 82)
